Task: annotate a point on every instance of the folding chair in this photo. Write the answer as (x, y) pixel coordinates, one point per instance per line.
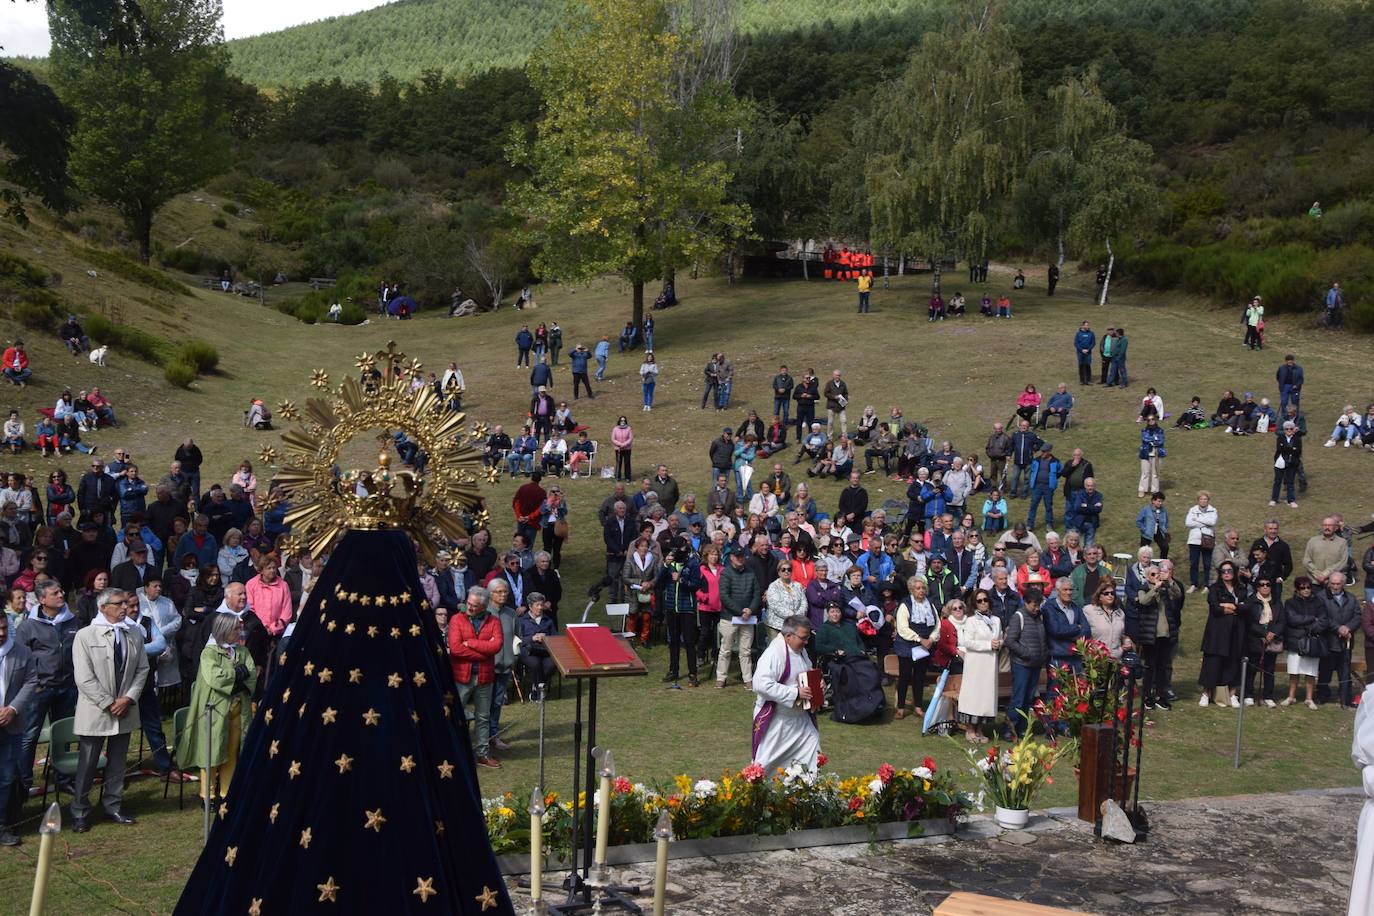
(623, 612)
(179, 719)
(63, 754)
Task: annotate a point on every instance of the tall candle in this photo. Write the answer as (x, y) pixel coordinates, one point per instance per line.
(603, 819)
(663, 832)
(536, 844)
(47, 831)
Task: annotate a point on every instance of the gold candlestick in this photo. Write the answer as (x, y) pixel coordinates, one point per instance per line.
(48, 831)
(663, 832)
(603, 819)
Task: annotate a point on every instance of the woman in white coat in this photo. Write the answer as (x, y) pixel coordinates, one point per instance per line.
(980, 638)
(1202, 537)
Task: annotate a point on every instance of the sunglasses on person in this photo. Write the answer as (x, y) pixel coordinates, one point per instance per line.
(980, 601)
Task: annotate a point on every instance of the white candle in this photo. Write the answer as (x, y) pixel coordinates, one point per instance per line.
(603, 819)
(536, 844)
(48, 830)
(663, 832)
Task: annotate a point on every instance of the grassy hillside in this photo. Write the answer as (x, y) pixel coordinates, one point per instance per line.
(467, 36)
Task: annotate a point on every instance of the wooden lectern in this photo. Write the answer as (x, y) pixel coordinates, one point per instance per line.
(572, 664)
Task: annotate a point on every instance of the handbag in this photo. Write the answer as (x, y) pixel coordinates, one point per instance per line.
(1208, 541)
(560, 528)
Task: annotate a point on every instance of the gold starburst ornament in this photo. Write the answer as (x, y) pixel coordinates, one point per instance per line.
(327, 500)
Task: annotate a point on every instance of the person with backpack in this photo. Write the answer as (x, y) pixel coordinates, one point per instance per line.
(1029, 650)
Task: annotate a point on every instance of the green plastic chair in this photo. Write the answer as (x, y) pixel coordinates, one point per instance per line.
(64, 750)
(173, 735)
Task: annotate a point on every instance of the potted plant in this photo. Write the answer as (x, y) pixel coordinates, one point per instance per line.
(1086, 698)
(1013, 775)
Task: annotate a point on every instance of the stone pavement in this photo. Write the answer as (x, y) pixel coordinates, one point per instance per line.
(1288, 853)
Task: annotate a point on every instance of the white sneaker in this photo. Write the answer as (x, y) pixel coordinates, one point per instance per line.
(1235, 701)
(1288, 701)
(1270, 703)
(1249, 701)
(1330, 443)
(1311, 704)
(1273, 502)
(1204, 700)
(1347, 443)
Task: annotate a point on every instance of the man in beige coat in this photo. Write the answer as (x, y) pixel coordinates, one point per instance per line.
(111, 670)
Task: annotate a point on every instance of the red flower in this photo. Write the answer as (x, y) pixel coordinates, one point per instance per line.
(856, 803)
(752, 773)
(885, 773)
(622, 786)
(1082, 707)
(1121, 714)
(821, 760)
(929, 764)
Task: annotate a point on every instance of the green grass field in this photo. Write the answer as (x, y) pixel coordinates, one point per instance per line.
(957, 377)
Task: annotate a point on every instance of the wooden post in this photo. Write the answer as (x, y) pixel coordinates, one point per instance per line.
(1094, 770)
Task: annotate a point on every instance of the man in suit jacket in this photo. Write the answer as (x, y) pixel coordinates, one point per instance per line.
(96, 492)
(111, 671)
(618, 534)
(130, 575)
(18, 687)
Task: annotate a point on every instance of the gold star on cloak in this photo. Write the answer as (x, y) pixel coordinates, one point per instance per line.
(344, 763)
(414, 629)
(300, 711)
(267, 716)
(365, 601)
(332, 625)
(281, 659)
(309, 669)
(375, 820)
(255, 908)
(419, 679)
(350, 628)
(330, 891)
(273, 748)
(405, 596)
(272, 815)
(445, 770)
(438, 828)
(286, 694)
(356, 675)
(395, 600)
(395, 632)
(407, 764)
(294, 769)
(326, 675)
(223, 809)
(424, 889)
(487, 898)
(371, 631)
(230, 855)
(371, 717)
(329, 715)
(393, 680)
(305, 838)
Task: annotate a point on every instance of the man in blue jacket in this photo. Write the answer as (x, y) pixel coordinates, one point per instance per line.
(1024, 444)
(1084, 510)
(1065, 624)
(1059, 405)
(602, 353)
(1044, 479)
(524, 340)
(1083, 343)
(1290, 379)
(579, 359)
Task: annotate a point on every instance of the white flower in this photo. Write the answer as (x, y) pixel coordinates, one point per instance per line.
(922, 773)
(876, 787)
(978, 802)
(809, 777)
(639, 789)
(704, 788)
(984, 764)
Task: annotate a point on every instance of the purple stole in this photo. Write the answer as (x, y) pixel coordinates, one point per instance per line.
(764, 717)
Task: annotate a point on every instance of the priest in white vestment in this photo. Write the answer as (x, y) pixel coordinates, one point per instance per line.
(784, 730)
(1362, 749)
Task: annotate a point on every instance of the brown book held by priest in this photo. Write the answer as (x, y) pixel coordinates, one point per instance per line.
(812, 679)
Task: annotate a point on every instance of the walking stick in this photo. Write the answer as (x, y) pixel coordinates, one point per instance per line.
(1240, 711)
(205, 788)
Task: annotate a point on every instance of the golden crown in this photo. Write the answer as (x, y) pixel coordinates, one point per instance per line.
(327, 500)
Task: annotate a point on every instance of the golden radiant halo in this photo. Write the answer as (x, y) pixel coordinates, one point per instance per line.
(325, 504)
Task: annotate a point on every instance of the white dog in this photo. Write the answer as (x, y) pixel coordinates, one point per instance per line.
(98, 356)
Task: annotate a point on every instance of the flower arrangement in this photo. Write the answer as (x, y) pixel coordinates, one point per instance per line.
(1086, 698)
(1012, 776)
(739, 803)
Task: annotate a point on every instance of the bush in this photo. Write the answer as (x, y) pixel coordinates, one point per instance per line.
(186, 260)
(231, 208)
(40, 315)
(219, 223)
(131, 341)
(179, 374)
(199, 354)
(129, 269)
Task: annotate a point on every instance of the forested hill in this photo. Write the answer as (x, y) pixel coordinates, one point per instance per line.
(463, 37)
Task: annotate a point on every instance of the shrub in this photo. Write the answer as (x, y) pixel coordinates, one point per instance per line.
(186, 260)
(39, 315)
(219, 223)
(231, 208)
(179, 374)
(352, 313)
(129, 269)
(131, 341)
(199, 354)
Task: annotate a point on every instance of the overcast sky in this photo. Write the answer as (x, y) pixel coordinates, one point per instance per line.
(24, 24)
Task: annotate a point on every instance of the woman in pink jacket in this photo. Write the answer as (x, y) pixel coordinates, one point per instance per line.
(622, 438)
(708, 600)
(269, 597)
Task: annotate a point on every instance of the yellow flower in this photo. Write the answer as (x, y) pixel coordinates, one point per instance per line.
(505, 812)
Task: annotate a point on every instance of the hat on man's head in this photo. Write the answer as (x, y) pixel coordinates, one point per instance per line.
(138, 547)
(727, 430)
(835, 604)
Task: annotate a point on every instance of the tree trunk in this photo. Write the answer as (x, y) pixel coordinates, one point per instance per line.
(805, 275)
(1060, 263)
(638, 288)
(143, 231)
(934, 274)
(901, 264)
(1111, 260)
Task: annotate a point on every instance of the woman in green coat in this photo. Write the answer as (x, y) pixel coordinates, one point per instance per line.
(225, 681)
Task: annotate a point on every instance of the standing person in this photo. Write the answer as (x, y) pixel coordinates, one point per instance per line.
(1044, 480)
(553, 519)
(48, 633)
(1153, 523)
(739, 601)
(1326, 553)
(224, 681)
(1263, 641)
(648, 377)
(1118, 374)
(1335, 305)
(647, 329)
(111, 671)
(917, 630)
(1029, 650)
(1201, 523)
(541, 376)
(556, 342)
(1052, 278)
(1024, 444)
(708, 602)
(622, 441)
(1065, 624)
(1254, 324)
(1083, 344)
(980, 639)
(1150, 454)
(711, 378)
(1304, 618)
(189, 456)
(725, 373)
(578, 360)
(1223, 638)
(784, 727)
(18, 686)
(1290, 379)
(1342, 619)
(1148, 626)
(806, 394)
(1287, 457)
(836, 397)
(782, 394)
(618, 533)
(785, 597)
(474, 639)
(601, 354)
(865, 284)
(999, 448)
(154, 646)
(1104, 350)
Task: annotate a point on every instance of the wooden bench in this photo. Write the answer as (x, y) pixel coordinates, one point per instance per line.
(322, 282)
(210, 282)
(962, 903)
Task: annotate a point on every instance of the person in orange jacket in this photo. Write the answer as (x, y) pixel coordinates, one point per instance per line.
(17, 370)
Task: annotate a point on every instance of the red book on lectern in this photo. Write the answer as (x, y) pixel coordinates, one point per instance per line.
(599, 647)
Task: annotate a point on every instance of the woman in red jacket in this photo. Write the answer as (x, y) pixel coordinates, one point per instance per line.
(708, 602)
